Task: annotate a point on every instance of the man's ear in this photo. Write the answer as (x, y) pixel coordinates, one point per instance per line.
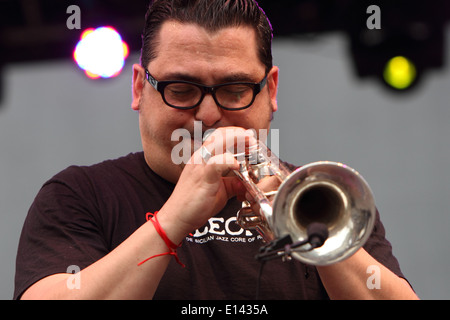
(137, 86)
(272, 83)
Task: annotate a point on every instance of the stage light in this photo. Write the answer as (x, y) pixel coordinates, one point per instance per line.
(407, 46)
(101, 52)
(400, 73)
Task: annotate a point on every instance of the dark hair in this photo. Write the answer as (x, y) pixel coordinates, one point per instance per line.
(212, 15)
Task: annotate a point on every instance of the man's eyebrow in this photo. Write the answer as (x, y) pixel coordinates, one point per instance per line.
(180, 76)
(233, 77)
(240, 77)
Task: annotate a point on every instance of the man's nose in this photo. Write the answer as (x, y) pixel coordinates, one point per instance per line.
(208, 111)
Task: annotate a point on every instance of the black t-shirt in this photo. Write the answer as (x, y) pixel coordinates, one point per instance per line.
(83, 213)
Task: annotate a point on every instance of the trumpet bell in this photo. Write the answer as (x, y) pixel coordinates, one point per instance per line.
(330, 193)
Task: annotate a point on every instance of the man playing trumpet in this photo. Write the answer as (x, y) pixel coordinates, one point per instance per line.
(144, 227)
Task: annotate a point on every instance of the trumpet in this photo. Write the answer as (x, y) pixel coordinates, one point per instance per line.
(319, 214)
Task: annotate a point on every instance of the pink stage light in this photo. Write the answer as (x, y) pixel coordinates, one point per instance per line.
(101, 53)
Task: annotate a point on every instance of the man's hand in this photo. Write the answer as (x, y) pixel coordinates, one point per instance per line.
(206, 184)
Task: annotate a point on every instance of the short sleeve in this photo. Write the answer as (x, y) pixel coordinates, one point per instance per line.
(381, 249)
(60, 231)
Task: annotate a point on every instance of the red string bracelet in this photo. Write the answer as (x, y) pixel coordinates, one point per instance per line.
(172, 246)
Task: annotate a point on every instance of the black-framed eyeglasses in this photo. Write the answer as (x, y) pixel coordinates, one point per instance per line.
(188, 95)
